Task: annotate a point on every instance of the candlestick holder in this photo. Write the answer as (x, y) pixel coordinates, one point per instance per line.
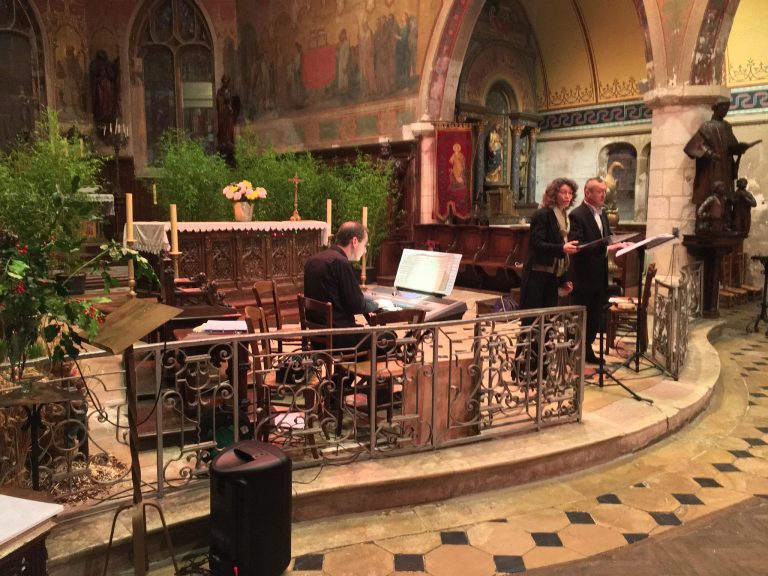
(131, 273)
(116, 136)
(175, 256)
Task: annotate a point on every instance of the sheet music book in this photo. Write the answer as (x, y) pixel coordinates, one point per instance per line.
(427, 271)
(224, 326)
(649, 243)
(17, 515)
(612, 239)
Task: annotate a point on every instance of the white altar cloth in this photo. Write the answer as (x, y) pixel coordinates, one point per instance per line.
(152, 237)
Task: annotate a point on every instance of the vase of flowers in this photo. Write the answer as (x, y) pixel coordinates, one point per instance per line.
(243, 195)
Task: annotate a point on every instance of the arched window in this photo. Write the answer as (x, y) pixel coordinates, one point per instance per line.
(618, 163)
(174, 44)
(22, 69)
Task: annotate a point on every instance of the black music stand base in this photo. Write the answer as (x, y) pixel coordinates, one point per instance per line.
(602, 372)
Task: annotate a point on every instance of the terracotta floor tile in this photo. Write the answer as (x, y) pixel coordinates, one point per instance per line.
(500, 539)
(411, 544)
(676, 483)
(359, 560)
(459, 561)
(622, 518)
(588, 539)
(545, 520)
(547, 556)
(648, 499)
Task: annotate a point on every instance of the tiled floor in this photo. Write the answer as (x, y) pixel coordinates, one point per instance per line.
(713, 465)
(716, 462)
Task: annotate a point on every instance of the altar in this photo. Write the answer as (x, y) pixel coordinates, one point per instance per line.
(235, 254)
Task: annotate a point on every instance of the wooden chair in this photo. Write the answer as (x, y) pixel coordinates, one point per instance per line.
(265, 293)
(270, 396)
(625, 313)
(388, 390)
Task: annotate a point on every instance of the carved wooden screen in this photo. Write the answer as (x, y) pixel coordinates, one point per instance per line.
(22, 69)
(174, 44)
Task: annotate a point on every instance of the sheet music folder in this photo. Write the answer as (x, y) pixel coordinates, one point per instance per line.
(427, 272)
(612, 239)
(423, 279)
(647, 244)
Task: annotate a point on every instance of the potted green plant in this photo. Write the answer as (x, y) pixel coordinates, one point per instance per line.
(40, 232)
(192, 179)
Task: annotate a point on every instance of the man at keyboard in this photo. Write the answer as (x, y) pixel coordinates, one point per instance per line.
(329, 277)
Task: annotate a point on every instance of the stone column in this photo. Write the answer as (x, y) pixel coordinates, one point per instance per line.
(517, 130)
(428, 159)
(677, 114)
(532, 164)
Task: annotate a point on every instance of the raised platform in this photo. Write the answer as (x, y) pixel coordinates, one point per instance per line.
(613, 425)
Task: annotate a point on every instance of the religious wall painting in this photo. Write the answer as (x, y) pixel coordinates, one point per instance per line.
(70, 74)
(454, 162)
(327, 57)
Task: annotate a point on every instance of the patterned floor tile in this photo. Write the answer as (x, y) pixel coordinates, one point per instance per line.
(631, 538)
(454, 537)
(708, 483)
(546, 539)
(309, 562)
(500, 539)
(359, 559)
(665, 518)
(458, 561)
(590, 539)
(688, 499)
(609, 499)
(580, 518)
(509, 564)
(409, 563)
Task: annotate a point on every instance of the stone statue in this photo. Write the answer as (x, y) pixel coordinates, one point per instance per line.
(105, 92)
(712, 213)
(717, 153)
(494, 153)
(741, 203)
(227, 110)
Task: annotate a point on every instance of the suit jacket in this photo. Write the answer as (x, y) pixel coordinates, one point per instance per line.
(589, 267)
(545, 246)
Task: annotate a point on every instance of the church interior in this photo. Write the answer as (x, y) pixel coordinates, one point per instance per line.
(478, 440)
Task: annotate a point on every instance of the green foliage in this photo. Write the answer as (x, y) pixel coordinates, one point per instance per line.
(350, 186)
(33, 306)
(192, 180)
(39, 183)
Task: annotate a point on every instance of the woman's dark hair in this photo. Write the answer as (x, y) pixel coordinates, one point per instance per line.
(550, 194)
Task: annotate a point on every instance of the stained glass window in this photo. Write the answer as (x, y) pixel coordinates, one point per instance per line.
(22, 90)
(175, 46)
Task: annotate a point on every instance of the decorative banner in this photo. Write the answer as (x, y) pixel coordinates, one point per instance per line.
(454, 165)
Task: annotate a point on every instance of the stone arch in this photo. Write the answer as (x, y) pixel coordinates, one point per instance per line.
(491, 66)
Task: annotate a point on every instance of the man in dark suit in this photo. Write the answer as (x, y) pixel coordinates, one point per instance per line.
(589, 266)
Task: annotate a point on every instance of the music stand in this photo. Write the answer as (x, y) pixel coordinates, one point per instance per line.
(641, 248)
(129, 323)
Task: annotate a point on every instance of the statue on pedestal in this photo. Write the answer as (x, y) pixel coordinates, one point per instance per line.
(740, 205)
(717, 153)
(712, 213)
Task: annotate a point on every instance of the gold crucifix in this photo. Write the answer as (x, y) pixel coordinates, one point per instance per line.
(295, 216)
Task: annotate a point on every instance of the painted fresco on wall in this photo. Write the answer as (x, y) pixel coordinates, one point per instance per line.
(71, 76)
(302, 55)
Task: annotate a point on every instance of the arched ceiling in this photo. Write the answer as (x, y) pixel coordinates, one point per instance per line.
(746, 56)
(592, 52)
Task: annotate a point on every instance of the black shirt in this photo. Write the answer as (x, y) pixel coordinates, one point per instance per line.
(329, 277)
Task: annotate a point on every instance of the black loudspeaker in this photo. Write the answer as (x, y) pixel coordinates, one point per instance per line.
(250, 510)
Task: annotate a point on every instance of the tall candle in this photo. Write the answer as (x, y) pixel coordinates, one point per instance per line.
(174, 230)
(328, 211)
(365, 216)
(154, 194)
(81, 147)
(129, 216)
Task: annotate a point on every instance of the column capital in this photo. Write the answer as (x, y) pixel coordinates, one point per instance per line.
(695, 95)
(421, 128)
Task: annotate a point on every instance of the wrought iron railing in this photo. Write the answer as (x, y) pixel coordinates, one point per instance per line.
(402, 389)
(674, 306)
